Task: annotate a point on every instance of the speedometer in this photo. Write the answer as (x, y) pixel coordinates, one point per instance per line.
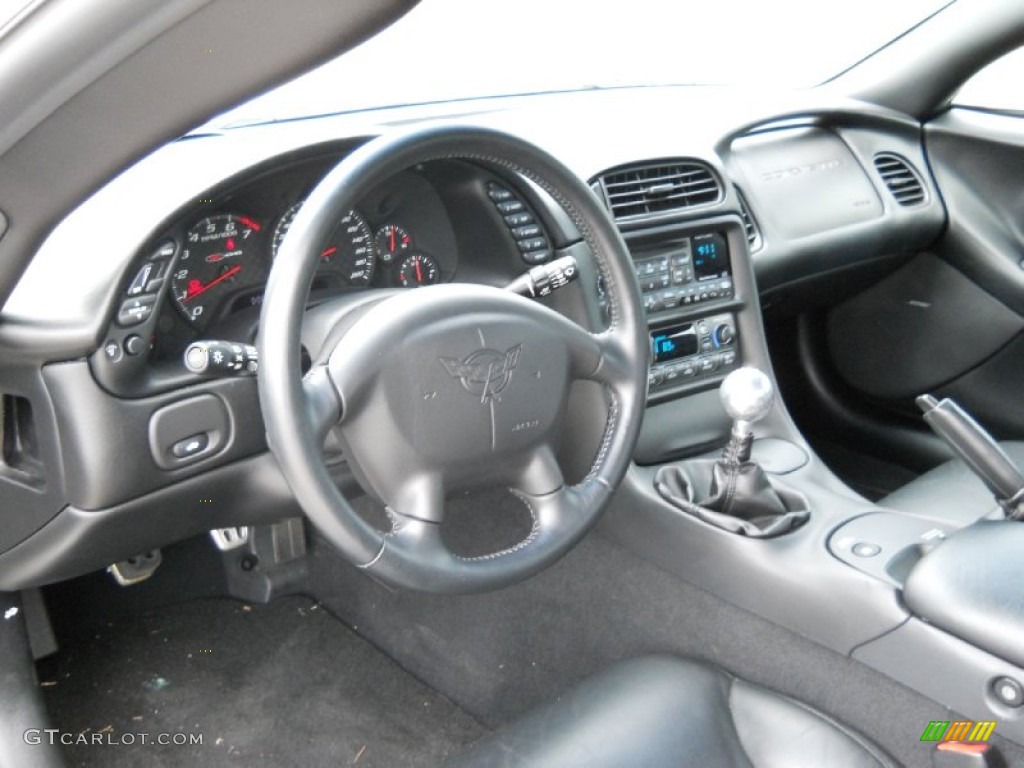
(215, 262)
(350, 253)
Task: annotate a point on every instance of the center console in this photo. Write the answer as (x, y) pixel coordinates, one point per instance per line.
(883, 587)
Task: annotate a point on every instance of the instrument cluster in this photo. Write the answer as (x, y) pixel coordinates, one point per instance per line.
(399, 236)
(226, 258)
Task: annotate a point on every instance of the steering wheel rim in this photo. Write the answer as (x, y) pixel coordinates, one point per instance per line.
(298, 411)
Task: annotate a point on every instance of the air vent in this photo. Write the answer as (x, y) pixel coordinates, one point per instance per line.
(901, 179)
(749, 224)
(644, 190)
(19, 448)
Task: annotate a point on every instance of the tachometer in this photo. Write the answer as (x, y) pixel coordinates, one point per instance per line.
(350, 253)
(214, 262)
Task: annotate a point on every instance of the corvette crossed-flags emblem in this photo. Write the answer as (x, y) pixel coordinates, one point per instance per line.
(486, 372)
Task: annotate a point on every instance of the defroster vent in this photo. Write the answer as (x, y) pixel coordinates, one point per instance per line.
(659, 187)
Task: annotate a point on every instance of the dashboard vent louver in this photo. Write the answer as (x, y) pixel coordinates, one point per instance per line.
(900, 177)
(644, 190)
(749, 224)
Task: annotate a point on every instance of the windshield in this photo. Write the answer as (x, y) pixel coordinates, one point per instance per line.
(11, 8)
(457, 49)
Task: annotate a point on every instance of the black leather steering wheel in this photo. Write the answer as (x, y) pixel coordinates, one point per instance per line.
(449, 386)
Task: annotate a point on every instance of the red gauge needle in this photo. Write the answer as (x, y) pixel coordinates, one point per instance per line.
(328, 253)
(392, 240)
(229, 274)
(419, 272)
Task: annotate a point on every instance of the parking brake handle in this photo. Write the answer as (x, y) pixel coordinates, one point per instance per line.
(972, 443)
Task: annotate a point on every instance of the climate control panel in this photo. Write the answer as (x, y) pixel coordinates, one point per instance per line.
(690, 351)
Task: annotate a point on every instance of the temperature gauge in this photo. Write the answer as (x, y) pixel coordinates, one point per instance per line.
(418, 269)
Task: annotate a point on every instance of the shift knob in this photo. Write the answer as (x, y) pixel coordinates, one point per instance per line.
(747, 395)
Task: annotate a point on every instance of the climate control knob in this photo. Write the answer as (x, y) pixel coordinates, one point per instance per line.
(723, 335)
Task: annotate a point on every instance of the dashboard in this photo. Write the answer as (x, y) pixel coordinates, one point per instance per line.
(763, 211)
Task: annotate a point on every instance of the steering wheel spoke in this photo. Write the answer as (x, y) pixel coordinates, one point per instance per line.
(323, 405)
(541, 475)
(418, 496)
(598, 357)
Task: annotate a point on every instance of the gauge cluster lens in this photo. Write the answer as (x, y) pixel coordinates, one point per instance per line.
(217, 260)
(350, 253)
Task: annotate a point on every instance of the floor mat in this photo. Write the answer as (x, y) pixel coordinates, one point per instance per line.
(265, 685)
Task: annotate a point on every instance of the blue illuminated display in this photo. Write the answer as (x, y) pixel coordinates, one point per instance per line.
(674, 343)
(663, 345)
(710, 256)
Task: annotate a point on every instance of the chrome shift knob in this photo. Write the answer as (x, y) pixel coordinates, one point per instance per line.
(747, 394)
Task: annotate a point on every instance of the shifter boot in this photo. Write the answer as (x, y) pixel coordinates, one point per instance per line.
(741, 489)
(738, 497)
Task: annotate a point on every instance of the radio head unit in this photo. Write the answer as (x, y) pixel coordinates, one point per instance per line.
(687, 271)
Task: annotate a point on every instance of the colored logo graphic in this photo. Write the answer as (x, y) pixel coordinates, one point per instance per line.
(959, 730)
(485, 373)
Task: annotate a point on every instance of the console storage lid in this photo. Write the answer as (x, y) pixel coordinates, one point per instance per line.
(972, 586)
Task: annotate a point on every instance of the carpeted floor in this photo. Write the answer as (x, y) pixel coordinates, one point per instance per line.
(274, 685)
(499, 655)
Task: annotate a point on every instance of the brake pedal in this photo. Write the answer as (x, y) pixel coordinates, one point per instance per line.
(136, 569)
(226, 539)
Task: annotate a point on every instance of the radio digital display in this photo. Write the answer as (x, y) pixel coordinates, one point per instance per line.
(674, 343)
(710, 256)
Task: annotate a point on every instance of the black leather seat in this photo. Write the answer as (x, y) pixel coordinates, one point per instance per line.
(951, 492)
(663, 711)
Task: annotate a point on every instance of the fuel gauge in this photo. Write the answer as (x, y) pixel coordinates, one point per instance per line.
(393, 242)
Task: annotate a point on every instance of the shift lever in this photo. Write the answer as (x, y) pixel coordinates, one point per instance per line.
(747, 395)
(733, 492)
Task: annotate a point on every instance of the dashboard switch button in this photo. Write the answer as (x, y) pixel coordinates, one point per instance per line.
(112, 351)
(865, 549)
(1009, 692)
(135, 311)
(165, 250)
(190, 446)
(511, 206)
(134, 345)
(138, 285)
(498, 193)
(537, 257)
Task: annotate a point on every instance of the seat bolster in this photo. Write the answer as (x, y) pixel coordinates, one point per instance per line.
(649, 711)
(666, 712)
(779, 732)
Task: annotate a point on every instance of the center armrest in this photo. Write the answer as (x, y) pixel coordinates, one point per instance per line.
(972, 586)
